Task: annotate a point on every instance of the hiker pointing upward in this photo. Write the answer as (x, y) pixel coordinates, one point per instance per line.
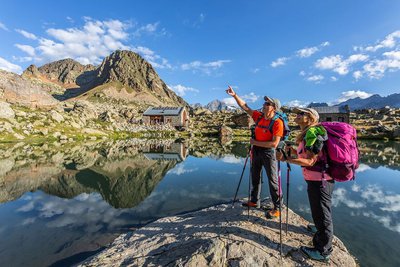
(266, 140)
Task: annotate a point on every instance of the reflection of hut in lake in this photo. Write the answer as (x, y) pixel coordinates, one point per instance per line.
(169, 152)
(336, 113)
(175, 116)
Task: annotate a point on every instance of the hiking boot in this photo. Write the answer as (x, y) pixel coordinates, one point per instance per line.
(250, 204)
(273, 213)
(314, 254)
(311, 228)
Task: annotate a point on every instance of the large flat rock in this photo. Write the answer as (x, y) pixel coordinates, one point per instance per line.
(217, 236)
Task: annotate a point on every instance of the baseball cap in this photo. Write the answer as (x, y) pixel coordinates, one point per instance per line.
(311, 111)
(275, 101)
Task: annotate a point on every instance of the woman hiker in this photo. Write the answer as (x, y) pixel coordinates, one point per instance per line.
(319, 183)
(264, 146)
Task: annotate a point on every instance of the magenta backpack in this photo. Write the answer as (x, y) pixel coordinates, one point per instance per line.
(342, 150)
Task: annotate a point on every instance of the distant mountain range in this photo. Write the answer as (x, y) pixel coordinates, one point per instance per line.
(373, 102)
(215, 105)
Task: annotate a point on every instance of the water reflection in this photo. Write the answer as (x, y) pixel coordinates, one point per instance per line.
(124, 173)
(74, 199)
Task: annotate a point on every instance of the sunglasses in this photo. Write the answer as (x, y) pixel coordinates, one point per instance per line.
(268, 104)
(301, 113)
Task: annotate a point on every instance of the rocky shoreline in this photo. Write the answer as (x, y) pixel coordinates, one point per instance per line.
(81, 120)
(216, 236)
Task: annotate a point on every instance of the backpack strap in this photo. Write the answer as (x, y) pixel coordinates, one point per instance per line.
(271, 124)
(261, 126)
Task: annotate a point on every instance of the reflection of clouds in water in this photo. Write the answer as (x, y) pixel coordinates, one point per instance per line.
(304, 208)
(180, 169)
(385, 220)
(355, 187)
(28, 221)
(232, 159)
(28, 207)
(372, 196)
(158, 198)
(375, 194)
(86, 210)
(340, 196)
(363, 167)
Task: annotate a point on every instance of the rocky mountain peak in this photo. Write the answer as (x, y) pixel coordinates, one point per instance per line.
(65, 71)
(126, 67)
(133, 71)
(31, 71)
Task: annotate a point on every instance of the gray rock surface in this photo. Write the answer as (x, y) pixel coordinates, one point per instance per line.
(6, 112)
(216, 236)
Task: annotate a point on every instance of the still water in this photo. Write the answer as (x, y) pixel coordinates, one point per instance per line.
(60, 203)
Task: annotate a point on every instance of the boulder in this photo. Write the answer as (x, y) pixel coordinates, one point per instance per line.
(242, 120)
(55, 116)
(84, 109)
(225, 131)
(216, 236)
(6, 112)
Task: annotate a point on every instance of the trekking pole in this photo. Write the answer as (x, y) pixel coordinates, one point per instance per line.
(250, 176)
(287, 190)
(280, 208)
(241, 176)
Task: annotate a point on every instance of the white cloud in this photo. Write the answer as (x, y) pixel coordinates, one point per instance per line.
(255, 70)
(353, 94)
(205, 67)
(27, 49)
(181, 90)
(307, 52)
(339, 65)
(325, 44)
(279, 62)
(377, 68)
(357, 75)
(315, 78)
(8, 66)
(252, 97)
(302, 73)
(150, 29)
(89, 43)
(3, 27)
(154, 59)
(388, 42)
(330, 62)
(297, 103)
(26, 34)
(334, 79)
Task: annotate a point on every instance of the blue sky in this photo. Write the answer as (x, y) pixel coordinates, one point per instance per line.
(297, 51)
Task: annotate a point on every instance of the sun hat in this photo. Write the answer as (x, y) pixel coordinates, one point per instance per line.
(311, 111)
(274, 101)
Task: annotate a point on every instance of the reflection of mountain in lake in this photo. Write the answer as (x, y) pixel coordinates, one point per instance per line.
(380, 153)
(128, 187)
(118, 171)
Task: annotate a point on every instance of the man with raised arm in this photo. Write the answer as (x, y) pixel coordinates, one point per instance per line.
(263, 149)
